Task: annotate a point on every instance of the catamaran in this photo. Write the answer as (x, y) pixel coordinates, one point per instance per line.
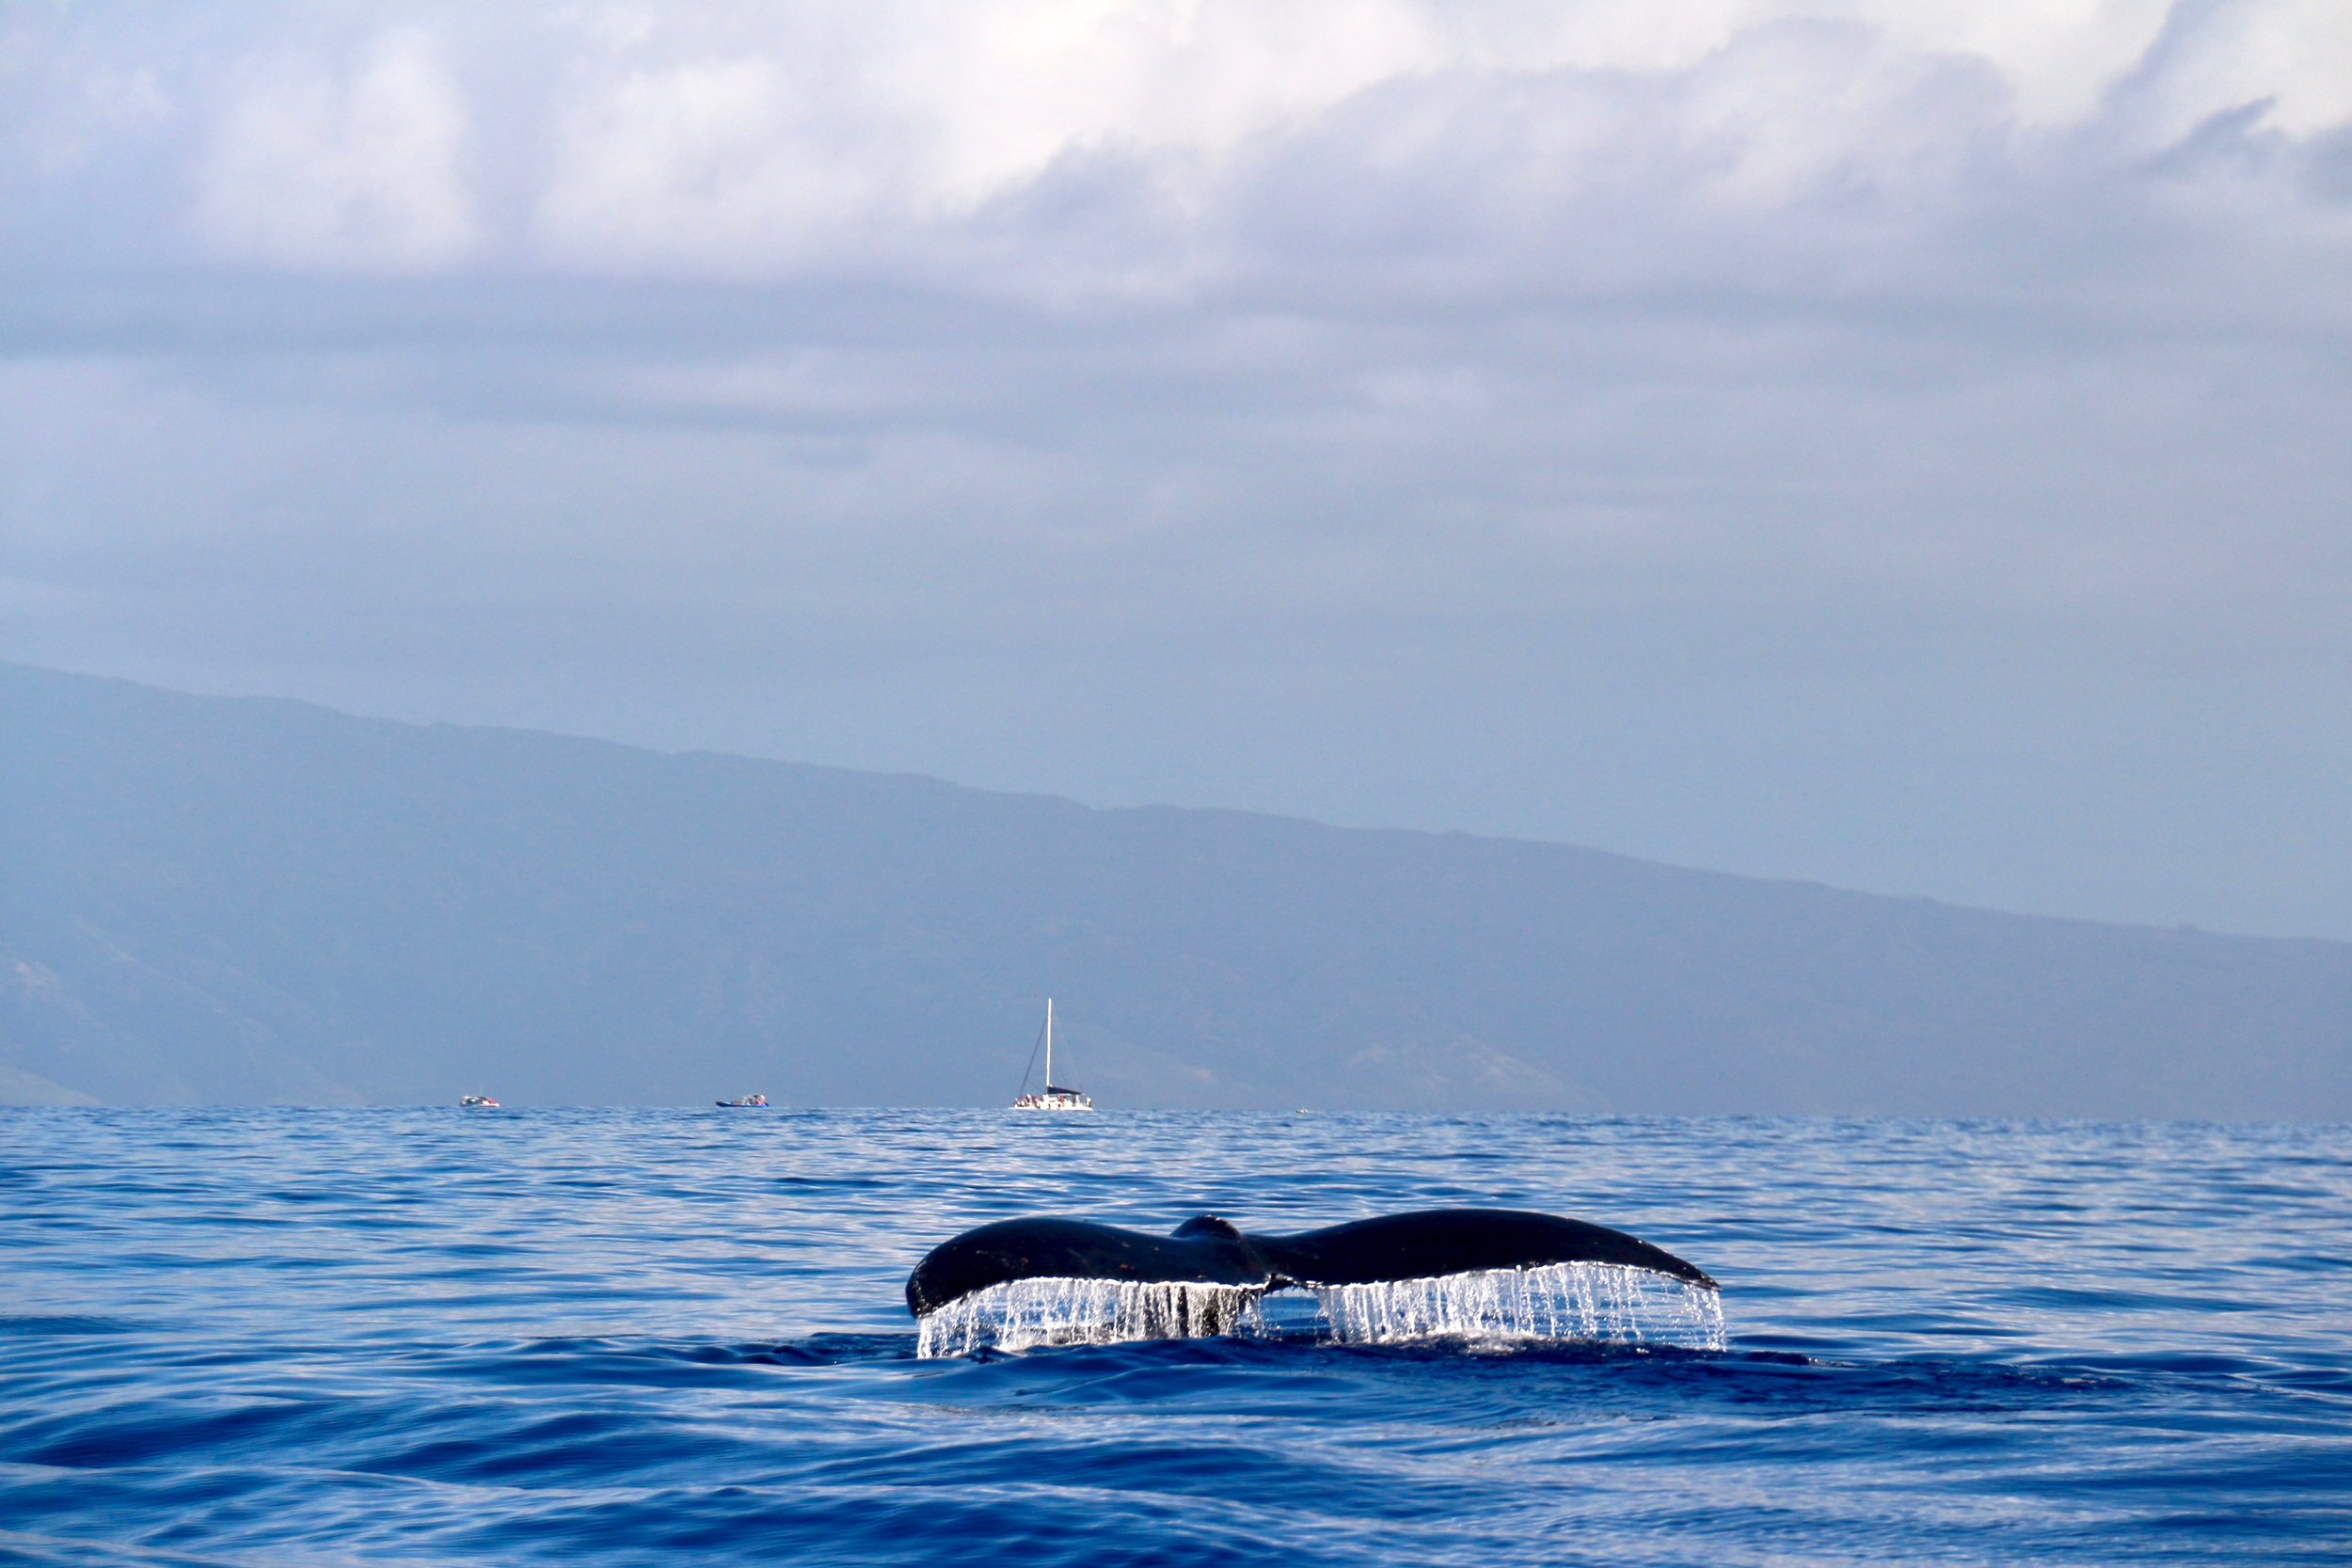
(1055, 1097)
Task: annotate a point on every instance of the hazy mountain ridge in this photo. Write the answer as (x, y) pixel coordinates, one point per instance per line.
(213, 899)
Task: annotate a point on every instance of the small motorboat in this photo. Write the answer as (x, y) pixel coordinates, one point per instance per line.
(478, 1103)
(749, 1102)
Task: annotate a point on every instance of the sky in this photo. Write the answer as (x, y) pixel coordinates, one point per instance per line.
(1903, 445)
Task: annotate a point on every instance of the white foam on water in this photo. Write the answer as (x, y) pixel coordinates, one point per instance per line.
(1598, 1303)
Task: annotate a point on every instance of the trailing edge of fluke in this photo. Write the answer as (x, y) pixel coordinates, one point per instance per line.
(1210, 1251)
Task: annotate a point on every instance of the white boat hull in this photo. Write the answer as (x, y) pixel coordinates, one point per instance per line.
(1053, 1097)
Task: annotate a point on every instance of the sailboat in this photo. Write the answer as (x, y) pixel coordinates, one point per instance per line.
(1055, 1097)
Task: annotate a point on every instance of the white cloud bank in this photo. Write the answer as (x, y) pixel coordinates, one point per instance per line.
(763, 141)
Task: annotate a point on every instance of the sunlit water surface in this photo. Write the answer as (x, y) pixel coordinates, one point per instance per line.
(636, 1336)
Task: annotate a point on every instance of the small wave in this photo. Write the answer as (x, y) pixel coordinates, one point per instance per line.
(1598, 1303)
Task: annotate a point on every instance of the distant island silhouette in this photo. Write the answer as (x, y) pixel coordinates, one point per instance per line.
(211, 899)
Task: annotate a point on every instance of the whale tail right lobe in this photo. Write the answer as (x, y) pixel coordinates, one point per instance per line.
(1438, 1242)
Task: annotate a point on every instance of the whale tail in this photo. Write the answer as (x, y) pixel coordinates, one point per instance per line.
(1207, 1250)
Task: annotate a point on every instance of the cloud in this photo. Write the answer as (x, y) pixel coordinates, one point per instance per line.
(774, 141)
(357, 166)
(1263, 403)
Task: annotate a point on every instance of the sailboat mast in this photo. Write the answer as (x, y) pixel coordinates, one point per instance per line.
(1049, 1045)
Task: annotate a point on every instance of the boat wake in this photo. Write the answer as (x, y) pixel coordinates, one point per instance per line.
(1557, 1303)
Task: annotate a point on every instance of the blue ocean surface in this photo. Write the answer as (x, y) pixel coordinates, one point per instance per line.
(635, 1337)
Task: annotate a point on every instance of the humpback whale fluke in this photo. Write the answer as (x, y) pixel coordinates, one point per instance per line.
(1207, 1250)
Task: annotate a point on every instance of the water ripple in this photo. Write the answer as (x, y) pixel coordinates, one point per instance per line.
(599, 1336)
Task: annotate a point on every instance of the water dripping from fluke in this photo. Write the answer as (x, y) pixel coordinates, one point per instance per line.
(1559, 1303)
(1501, 1309)
(1474, 1274)
(1024, 1314)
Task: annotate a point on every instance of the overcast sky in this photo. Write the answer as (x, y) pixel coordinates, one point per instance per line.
(1903, 444)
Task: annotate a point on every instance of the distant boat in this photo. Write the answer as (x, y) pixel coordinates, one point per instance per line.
(478, 1103)
(749, 1102)
(1055, 1097)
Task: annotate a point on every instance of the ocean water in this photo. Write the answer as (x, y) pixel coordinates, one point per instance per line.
(638, 1337)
